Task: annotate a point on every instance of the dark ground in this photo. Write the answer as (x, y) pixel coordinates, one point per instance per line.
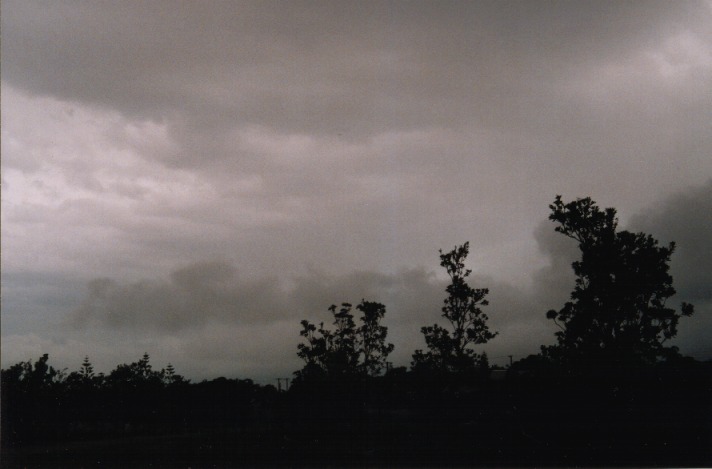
(660, 418)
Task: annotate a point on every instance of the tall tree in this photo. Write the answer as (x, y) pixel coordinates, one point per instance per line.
(343, 355)
(138, 374)
(87, 370)
(371, 336)
(450, 350)
(618, 308)
(348, 349)
(85, 378)
(28, 378)
(170, 377)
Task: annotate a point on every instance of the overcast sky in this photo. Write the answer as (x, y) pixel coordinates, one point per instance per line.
(191, 179)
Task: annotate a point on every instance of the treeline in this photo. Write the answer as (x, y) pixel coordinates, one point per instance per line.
(610, 391)
(42, 404)
(537, 414)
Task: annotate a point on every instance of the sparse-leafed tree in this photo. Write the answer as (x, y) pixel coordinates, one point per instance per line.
(85, 378)
(170, 377)
(371, 337)
(136, 374)
(348, 349)
(450, 350)
(87, 370)
(26, 377)
(314, 350)
(618, 308)
(343, 356)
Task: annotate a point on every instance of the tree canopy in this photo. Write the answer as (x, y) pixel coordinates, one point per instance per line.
(451, 350)
(618, 309)
(613, 334)
(348, 349)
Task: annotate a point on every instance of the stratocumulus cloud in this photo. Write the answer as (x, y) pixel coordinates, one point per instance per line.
(686, 219)
(176, 174)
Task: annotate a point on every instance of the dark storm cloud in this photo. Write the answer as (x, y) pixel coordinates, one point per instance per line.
(209, 295)
(221, 314)
(450, 102)
(323, 151)
(193, 295)
(335, 107)
(334, 67)
(42, 298)
(207, 292)
(217, 315)
(686, 219)
(554, 282)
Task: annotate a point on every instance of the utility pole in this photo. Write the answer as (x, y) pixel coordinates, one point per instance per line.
(510, 360)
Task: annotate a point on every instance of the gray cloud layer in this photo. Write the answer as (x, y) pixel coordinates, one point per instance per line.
(686, 219)
(211, 294)
(325, 66)
(211, 319)
(203, 296)
(323, 151)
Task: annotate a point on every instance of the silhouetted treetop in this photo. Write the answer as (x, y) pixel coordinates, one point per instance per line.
(450, 351)
(618, 306)
(348, 349)
(371, 338)
(29, 377)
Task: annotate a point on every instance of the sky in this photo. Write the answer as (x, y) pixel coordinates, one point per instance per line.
(192, 179)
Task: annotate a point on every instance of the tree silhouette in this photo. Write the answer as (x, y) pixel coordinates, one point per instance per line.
(87, 370)
(371, 337)
(326, 352)
(348, 349)
(450, 351)
(617, 311)
(85, 378)
(138, 374)
(170, 377)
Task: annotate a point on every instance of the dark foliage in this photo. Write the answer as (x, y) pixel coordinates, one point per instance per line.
(41, 405)
(539, 415)
(348, 350)
(449, 350)
(609, 393)
(618, 314)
